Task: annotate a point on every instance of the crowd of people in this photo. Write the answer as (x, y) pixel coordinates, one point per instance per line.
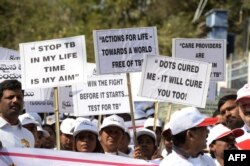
(189, 138)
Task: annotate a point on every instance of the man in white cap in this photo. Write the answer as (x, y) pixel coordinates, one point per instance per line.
(66, 134)
(110, 134)
(189, 133)
(221, 138)
(12, 134)
(243, 101)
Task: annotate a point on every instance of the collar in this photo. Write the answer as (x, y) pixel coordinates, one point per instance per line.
(3, 123)
(246, 128)
(181, 152)
(184, 154)
(113, 153)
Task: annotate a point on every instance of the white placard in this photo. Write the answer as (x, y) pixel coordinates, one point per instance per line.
(46, 104)
(121, 50)
(40, 106)
(34, 94)
(175, 80)
(53, 63)
(207, 50)
(9, 54)
(66, 99)
(107, 94)
(10, 70)
(135, 79)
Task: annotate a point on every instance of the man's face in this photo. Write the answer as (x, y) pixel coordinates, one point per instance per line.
(230, 112)
(111, 137)
(244, 105)
(199, 138)
(168, 141)
(11, 105)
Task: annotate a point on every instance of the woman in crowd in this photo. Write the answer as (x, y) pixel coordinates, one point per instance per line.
(85, 137)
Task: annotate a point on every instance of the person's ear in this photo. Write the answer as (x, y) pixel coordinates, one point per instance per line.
(212, 147)
(190, 134)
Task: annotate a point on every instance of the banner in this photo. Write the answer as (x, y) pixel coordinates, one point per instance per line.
(53, 63)
(206, 50)
(175, 80)
(10, 70)
(121, 50)
(46, 157)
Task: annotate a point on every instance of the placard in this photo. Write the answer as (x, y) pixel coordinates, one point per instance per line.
(53, 63)
(9, 54)
(107, 94)
(175, 80)
(121, 50)
(206, 50)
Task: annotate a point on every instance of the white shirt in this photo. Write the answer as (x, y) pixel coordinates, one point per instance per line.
(216, 162)
(117, 153)
(15, 135)
(175, 159)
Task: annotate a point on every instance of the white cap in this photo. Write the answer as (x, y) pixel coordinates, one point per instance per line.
(220, 131)
(79, 120)
(143, 131)
(51, 119)
(188, 118)
(150, 123)
(27, 119)
(67, 125)
(85, 125)
(45, 132)
(113, 120)
(244, 92)
(36, 116)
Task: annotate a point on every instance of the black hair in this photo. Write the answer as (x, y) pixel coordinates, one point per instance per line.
(9, 85)
(224, 99)
(179, 138)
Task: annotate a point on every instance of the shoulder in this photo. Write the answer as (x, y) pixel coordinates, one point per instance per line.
(203, 160)
(174, 159)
